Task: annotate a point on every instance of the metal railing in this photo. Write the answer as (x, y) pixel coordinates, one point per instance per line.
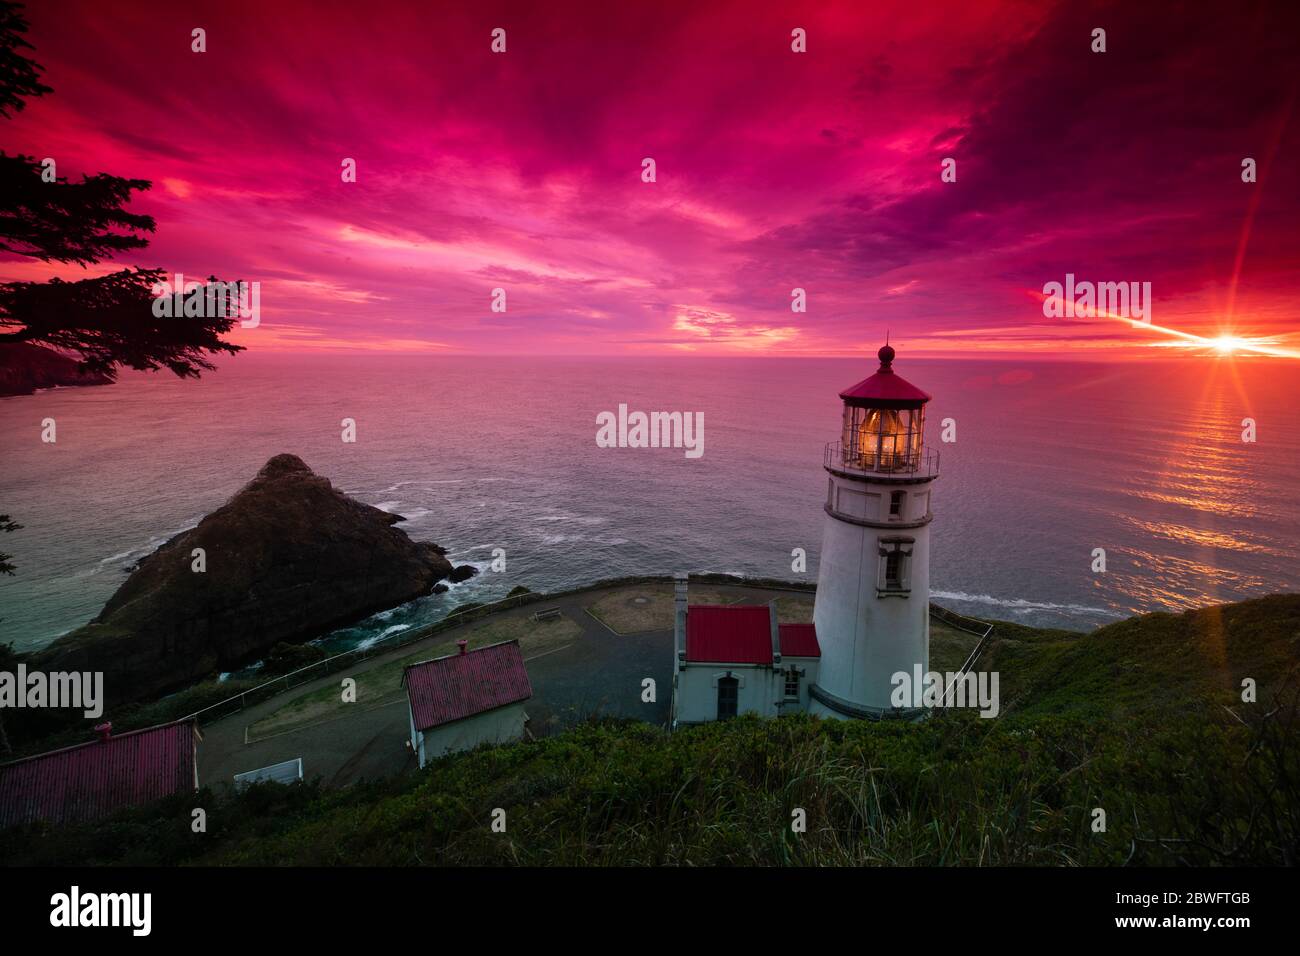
(921, 463)
(340, 661)
(980, 629)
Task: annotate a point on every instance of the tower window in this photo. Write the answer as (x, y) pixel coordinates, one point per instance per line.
(895, 560)
(893, 571)
(896, 503)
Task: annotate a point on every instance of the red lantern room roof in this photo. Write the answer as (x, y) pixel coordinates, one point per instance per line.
(885, 389)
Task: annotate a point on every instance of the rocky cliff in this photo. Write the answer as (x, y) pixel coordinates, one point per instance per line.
(24, 368)
(286, 559)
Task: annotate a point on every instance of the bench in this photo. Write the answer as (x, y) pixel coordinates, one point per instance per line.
(547, 614)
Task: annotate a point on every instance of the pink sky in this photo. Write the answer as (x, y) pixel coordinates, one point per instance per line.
(776, 170)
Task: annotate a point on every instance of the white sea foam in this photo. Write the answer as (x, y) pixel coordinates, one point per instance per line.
(425, 483)
(153, 544)
(577, 519)
(1022, 604)
(376, 638)
(560, 538)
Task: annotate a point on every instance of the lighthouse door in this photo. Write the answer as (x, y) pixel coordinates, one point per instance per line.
(728, 697)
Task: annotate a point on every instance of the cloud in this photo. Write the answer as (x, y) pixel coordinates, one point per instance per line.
(776, 170)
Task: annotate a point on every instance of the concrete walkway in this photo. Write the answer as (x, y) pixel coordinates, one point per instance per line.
(599, 673)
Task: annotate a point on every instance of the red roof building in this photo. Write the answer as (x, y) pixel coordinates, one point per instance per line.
(468, 698)
(742, 634)
(737, 658)
(728, 634)
(799, 640)
(462, 685)
(92, 780)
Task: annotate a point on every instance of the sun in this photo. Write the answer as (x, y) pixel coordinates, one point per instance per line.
(1228, 344)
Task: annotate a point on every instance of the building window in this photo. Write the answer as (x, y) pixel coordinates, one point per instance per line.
(728, 697)
(792, 684)
(896, 503)
(895, 567)
(893, 571)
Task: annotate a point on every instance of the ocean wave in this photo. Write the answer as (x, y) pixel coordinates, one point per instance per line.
(428, 481)
(472, 547)
(560, 538)
(122, 554)
(1022, 603)
(577, 519)
(153, 544)
(376, 638)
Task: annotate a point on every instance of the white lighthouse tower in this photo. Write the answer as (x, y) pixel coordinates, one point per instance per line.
(873, 588)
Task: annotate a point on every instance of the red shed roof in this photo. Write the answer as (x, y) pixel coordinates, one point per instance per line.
(92, 780)
(885, 389)
(799, 640)
(462, 685)
(729, 634)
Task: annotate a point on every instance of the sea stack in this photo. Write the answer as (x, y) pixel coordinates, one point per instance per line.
(287, 559)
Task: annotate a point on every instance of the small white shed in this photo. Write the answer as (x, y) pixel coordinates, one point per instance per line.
(462, 700)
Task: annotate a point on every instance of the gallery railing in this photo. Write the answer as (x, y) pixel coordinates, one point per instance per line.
(918, 463)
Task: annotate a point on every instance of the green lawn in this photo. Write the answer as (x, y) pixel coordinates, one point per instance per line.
(381, 680)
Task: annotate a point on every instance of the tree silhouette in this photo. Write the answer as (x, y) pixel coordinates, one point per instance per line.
(107, 321)
(69, 223)
(19, 76)
(7, 525)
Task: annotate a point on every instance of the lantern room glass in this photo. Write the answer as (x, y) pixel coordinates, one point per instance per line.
(883, 439)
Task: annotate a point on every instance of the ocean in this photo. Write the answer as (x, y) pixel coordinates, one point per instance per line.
(1051, 461)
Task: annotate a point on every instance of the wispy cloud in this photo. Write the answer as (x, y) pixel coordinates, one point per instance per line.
(775, 170)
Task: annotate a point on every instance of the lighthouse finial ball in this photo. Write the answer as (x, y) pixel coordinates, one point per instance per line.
(886, 354)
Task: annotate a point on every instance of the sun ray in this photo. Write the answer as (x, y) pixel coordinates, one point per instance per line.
(1225, 343)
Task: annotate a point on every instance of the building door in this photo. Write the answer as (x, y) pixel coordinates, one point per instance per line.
(728, 697)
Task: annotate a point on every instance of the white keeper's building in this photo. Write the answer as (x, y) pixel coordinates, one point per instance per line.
(871, 617)
(466, 699)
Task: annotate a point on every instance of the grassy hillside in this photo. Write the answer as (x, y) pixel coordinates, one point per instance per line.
(1142, 719)
(1161, 664)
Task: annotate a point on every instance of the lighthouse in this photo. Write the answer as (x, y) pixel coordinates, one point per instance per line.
(873, 587)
